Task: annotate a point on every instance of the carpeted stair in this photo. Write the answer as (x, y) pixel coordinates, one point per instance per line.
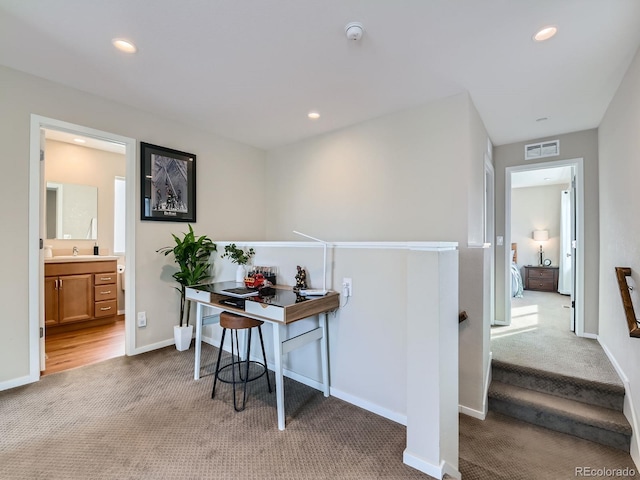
(587, 409)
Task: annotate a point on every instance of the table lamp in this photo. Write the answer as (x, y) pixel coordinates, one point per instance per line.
(541, 236)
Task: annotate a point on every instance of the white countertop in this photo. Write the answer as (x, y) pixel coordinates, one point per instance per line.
(80, 258)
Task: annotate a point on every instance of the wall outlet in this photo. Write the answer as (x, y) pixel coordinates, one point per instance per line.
(142, 319)
(346, 287)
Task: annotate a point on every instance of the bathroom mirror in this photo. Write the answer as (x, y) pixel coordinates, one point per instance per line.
(72, 211)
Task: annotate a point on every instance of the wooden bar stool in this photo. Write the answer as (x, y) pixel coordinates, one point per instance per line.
(234, 323)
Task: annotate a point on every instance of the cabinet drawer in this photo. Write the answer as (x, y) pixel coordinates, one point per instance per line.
(105, 309)
(104, 292)
(104, 278)
(548, 285)
(540, 274)
(273, 312)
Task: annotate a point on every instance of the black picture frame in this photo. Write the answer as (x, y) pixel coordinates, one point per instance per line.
(168, 184)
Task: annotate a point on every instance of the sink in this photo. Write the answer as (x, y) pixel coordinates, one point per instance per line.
(72, 257)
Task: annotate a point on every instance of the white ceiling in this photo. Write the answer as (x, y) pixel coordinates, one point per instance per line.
(87, 142)
(541, 177)
(251, 70)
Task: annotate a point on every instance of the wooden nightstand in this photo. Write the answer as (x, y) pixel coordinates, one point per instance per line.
(544, 279)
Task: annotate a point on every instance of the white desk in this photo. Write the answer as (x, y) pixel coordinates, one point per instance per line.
(279, 310)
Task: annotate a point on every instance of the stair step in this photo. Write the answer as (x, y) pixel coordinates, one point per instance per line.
(591, 422)
(586, 391)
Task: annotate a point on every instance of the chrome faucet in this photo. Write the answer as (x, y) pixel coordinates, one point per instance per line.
(75, 251)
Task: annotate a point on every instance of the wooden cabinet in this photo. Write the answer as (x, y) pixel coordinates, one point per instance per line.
(544, 279)
(79, 292)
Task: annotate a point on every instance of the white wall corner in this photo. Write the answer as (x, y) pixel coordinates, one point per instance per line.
(480, 414)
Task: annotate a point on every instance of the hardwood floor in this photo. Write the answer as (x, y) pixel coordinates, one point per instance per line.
(82, 347)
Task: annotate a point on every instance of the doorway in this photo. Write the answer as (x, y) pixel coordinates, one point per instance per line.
(576, 302)
(37, 226)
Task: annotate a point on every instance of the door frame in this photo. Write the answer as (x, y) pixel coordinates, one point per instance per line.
(578, 164)
(36, 253)
(489, 230)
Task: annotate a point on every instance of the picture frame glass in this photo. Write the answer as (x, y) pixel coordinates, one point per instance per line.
(168, 184)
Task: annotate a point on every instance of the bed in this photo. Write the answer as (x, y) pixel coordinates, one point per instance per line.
(516, 278)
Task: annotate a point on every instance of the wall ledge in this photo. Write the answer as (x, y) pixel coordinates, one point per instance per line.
(424, 246)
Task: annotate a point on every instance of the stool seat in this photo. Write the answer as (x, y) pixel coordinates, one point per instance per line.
(233, 322)
(237, 322)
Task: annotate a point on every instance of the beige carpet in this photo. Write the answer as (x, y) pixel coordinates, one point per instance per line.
(539, 336)
(145, 417)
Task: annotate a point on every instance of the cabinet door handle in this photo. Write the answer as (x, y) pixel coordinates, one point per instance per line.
(55, 284)
(60, 284)
(105, 308)
(105, 278)
(105, 293)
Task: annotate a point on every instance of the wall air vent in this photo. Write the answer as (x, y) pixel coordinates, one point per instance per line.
(542, 149)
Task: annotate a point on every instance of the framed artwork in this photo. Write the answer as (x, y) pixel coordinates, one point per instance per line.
(168, 184)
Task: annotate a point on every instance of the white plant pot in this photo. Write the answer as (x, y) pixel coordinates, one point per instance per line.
(240, 273)
(182, 337)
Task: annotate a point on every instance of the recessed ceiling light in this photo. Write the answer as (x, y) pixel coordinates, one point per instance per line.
(545, 33)
(79, 140)
(313, 115)
(547, 179)
(124, 45)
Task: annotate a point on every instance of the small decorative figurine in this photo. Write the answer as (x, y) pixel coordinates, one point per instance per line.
(301, 279)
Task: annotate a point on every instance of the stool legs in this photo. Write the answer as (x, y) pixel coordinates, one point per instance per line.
(215, 378)
(240, 365)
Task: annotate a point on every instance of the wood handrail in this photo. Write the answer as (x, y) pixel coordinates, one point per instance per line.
(622, 273)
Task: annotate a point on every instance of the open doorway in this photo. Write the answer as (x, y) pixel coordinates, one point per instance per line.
(544, 268)
(537, 238)
(61, 136)
(84, 208)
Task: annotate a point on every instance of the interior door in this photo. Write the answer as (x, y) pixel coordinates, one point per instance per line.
(573, 252)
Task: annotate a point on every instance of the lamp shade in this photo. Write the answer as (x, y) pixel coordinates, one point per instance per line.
(541, 235)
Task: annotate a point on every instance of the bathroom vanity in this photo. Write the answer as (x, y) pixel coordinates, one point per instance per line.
(80, 291)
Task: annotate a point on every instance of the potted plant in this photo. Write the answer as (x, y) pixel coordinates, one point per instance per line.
(239, 257)
(192, 256)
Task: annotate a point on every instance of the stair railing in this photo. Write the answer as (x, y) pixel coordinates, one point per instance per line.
(632, 322)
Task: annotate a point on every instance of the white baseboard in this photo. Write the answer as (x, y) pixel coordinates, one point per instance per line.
(629, 410)
(154, 346)
(17, 382)
(589, 335)
(369, 406)
(472, 413)
(437, 471)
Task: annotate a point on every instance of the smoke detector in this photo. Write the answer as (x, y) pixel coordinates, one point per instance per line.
(354, 31)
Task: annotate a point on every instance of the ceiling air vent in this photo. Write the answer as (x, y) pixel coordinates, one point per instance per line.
(542, 149)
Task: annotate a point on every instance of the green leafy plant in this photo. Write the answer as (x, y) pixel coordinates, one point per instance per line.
(192, 256)
(238, 255)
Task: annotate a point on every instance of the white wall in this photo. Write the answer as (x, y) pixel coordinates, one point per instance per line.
(536, 208)
(413, 175)
(222, 167)
(618, 138)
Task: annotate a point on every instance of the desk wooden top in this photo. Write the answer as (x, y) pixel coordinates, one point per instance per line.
(284, 307)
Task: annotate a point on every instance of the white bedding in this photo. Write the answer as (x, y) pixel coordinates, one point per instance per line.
(516, 281)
